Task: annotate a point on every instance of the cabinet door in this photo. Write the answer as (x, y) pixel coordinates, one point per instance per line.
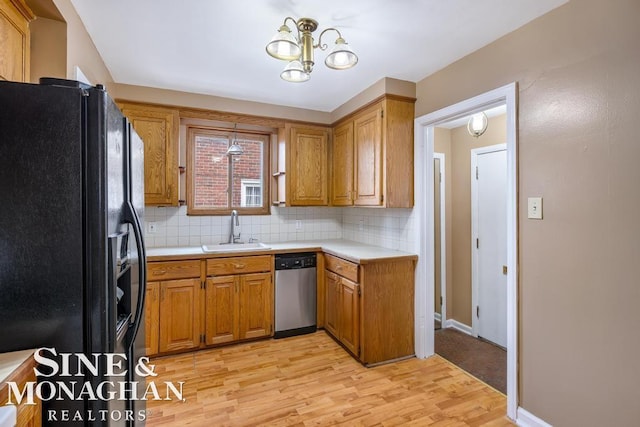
(256, 300)
(349, 315)
(221, 312)
(332, 294)
(342, 166)
(152, 318)
(179, 314)
(14, 41)
(158, 128)
(308, 167)
(367, 144)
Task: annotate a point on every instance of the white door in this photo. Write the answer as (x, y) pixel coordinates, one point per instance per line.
(491, 246)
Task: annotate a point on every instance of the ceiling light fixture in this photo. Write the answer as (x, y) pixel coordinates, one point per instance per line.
(235, 149)
(477, 124)
(299, 51)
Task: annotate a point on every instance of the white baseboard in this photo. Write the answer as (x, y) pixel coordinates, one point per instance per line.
(452, 323)
(525, 418)
(437, 316)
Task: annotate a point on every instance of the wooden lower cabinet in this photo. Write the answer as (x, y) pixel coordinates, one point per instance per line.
(179, 315)
(238, 307)
(27, 415)
(152, 318)
(256, 302)
(221, 310)
(342, 318)
(369, 307)
(349, 315)
(332, 302)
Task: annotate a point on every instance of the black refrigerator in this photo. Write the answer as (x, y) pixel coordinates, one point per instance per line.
(72, 257)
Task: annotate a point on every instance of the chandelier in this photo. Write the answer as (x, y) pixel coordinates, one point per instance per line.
(299, 50)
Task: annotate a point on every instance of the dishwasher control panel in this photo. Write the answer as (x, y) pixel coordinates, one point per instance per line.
(294, 261)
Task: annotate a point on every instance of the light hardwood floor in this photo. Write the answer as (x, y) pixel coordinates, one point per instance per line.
(311, 381)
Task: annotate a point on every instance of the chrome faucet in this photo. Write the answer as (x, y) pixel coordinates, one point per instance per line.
(233, 237)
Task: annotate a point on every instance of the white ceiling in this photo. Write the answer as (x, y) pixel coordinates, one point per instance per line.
(217, 47)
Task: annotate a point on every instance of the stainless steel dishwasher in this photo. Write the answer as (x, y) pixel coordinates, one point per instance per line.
(295, 294)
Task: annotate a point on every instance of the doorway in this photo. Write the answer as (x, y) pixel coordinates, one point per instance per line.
(425, 281)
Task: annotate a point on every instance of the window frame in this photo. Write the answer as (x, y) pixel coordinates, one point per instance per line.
(192, 132)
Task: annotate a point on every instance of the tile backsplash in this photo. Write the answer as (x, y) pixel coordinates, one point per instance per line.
(390, 228)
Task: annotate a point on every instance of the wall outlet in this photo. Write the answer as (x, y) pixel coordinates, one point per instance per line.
(152, 227)
(534, 206)
(361, 225)
(298, 224)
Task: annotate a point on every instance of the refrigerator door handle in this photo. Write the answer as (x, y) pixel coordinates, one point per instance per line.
(131, 217)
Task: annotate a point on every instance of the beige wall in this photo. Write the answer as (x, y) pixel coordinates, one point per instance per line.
(579, 96)
(81, 51)
(383, 86)
(48, 49)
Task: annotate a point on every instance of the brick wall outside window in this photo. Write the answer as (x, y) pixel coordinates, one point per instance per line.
(212, 169)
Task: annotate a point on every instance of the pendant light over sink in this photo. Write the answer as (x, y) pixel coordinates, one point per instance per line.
(235, 149)
(299, 50)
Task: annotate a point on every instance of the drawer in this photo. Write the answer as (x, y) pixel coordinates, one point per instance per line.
(173, 270)
(239, 265)
(343, 268)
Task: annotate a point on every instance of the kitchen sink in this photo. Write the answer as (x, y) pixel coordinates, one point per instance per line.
(233, 247)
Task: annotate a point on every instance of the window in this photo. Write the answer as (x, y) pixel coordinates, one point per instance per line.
(251, 195)
(218, 183)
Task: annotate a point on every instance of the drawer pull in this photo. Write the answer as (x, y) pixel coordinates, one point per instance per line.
(239, 266)
(338, 267)
(159, 272)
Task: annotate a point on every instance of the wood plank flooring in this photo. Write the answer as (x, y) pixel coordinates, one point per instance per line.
(311, 381)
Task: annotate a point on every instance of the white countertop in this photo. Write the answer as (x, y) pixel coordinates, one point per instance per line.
(353, 251)
(9, 362)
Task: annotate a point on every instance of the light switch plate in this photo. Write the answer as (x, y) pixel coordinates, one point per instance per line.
(534, 208)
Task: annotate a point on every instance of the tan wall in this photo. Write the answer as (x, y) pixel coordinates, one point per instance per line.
(48, 49)
(81, 51)
(579, 98)
(461, 145)
(383, 86)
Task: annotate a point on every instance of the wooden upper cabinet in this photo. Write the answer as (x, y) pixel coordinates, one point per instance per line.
(381, 171)
(342, 165)
(307, 166)
(15, 40)
(158, 127)
(367, 159)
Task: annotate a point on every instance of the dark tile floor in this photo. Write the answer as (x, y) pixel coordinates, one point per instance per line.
(483, 360)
